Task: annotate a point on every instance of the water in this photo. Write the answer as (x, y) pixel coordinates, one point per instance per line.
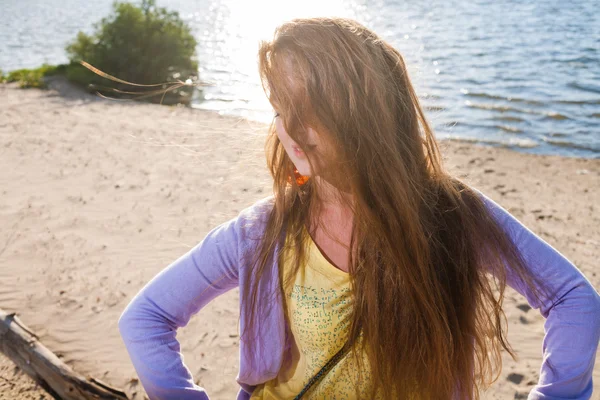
(524, 75)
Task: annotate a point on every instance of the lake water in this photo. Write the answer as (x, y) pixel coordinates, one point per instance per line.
(521, 74)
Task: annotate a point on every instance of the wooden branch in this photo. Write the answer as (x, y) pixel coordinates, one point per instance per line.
(23, 347)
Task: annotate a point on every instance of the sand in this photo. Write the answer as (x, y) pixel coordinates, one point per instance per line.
(99, 195)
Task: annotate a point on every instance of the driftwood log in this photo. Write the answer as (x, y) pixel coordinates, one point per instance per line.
(23, 347)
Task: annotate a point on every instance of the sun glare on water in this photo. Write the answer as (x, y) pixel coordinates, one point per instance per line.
(233, 32)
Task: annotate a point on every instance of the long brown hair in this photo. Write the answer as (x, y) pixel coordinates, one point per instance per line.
(426, 310)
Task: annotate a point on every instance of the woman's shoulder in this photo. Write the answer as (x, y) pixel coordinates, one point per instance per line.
(252, 220)
(259, 210)
(497, 211)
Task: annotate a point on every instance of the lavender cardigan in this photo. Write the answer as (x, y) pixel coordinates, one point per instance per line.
(149, 323)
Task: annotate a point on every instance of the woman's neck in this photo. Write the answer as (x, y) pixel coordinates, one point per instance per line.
(330, 196)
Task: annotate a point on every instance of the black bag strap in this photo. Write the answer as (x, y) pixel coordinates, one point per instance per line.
(330, 364)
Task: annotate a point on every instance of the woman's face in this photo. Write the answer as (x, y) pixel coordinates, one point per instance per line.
(293, 150)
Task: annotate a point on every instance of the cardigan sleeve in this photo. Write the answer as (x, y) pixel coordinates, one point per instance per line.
(149, 323)
(572, 326)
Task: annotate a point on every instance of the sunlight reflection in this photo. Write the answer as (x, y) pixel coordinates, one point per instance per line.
(234, 29)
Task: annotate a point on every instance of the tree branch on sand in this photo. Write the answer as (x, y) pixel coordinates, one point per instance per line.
(23, 347)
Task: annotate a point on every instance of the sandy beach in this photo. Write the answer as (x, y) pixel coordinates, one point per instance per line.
(99, 195)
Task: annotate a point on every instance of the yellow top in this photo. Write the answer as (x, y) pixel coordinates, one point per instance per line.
(319, 304)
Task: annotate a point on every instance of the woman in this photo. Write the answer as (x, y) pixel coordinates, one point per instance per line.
(369, 258)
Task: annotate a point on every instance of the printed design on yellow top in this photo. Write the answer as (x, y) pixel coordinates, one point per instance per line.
(320, 317)
(319, 307)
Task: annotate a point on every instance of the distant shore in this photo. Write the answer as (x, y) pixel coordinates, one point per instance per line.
(98, 196)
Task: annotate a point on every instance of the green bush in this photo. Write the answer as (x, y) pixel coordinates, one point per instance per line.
(139, 44)
(33, 78)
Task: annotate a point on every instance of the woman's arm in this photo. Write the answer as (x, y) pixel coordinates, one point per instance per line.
(572, 327)
(149, 324)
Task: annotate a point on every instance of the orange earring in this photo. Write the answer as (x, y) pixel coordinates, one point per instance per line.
(300, 179)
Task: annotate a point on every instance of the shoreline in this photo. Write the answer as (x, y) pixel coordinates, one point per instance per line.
(100, 195)
(515, 143)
